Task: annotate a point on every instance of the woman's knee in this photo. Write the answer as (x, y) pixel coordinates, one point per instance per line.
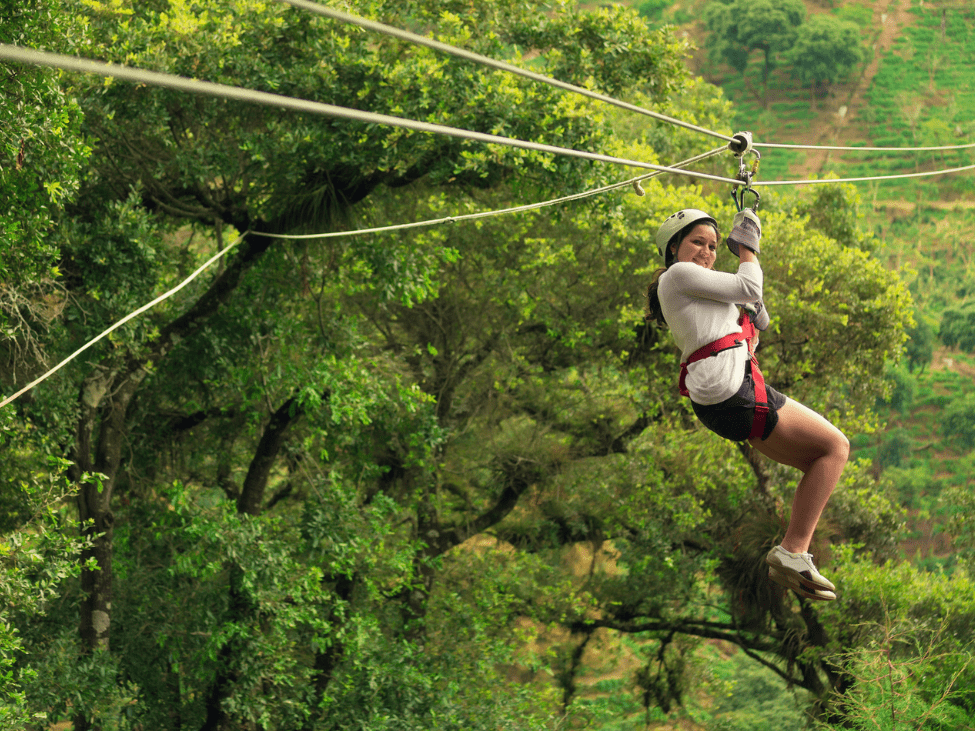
(802, 437)
(840, 446)
(833, 445)
(832, 442)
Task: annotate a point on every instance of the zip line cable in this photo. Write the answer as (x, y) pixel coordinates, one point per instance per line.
(504, 66)
(943, 148)
(124, 320)
(819, 181)
(493, 63)
(240, 238)
(179, 83)
(486, 214)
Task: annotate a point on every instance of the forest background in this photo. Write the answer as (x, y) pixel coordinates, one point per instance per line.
(440, 478)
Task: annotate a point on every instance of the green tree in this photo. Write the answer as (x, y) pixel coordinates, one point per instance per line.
(957, 329)
(39, 554)
(903, 389)
(920, 346)
(895, 448)
(653, 10)
(42, 151)
(958, 421)
(833, 210)
(742, 26)
(960, 503)
(913, 650)
(826, 50)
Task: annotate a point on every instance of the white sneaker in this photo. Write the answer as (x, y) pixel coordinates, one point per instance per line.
(788, 582)
(798, 567)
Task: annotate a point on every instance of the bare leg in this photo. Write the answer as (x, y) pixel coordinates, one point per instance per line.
(805, 440)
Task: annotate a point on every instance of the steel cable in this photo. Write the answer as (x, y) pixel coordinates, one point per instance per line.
(179, 83)
(493, 63)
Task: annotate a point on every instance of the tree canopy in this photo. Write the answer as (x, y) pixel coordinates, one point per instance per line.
(826, 50)
(43, 151)
(957, 328)
(741, 26)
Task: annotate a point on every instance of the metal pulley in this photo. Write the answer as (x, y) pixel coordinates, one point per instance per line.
(740, 143)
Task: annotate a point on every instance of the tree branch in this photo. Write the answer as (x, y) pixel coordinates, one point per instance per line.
(251, 500)
(519, 479)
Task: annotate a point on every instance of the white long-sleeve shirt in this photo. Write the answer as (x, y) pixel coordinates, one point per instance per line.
(699, 306)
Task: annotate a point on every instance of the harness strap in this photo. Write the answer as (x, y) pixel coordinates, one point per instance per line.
(735, 340)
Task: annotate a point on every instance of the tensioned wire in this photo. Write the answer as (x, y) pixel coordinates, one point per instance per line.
(819, 181)
(493, 63)
(179, 83)
(504, 66)
(585, 194)
(485, 214)
(124, 320)
(225, 250)
(942, 148)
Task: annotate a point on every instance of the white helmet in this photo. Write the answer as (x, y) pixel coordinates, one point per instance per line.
(676, 223)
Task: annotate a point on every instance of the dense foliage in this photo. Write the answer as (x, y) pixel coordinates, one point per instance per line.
(404, 480)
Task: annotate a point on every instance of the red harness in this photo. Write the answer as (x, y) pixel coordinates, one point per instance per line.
(734, 340)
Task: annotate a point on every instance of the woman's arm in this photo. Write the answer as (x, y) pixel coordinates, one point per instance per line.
(747, 255)
(739, 288)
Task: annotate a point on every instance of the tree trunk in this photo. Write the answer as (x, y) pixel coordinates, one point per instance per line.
(104, 400)
(327, 660)
(227, 675)
(242, 607)
(95, 498)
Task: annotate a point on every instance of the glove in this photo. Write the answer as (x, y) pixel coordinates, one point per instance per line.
(746, 231)
(758, 315)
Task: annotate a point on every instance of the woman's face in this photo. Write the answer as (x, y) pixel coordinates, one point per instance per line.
(699, 247)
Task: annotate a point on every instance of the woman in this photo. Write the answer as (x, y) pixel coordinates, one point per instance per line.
(718, 372)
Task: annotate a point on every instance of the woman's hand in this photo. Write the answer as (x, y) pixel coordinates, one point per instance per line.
(745, 234)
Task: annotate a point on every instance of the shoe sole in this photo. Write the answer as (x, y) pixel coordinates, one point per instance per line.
(797, 576)
(790, 582)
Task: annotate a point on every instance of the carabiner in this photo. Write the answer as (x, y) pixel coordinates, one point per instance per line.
(745, 176)
(754, 192)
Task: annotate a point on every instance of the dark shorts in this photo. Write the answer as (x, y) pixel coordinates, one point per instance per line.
(732, 418)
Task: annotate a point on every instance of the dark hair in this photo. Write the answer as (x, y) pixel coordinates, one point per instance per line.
(652, 312)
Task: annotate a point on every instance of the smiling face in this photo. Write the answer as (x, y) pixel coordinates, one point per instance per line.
(699, 247)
